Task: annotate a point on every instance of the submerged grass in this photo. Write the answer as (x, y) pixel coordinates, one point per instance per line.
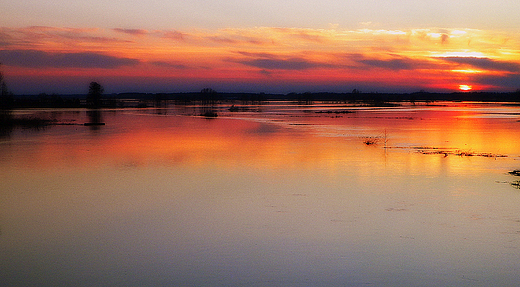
(335, 112)
(8, 123)
(371, 140)
(25, 122)
(209, 114)
(447, 152)
(516, 183)
(376, 140)
(515, 172)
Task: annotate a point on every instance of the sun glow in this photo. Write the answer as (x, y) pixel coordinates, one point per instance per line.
(465, 87)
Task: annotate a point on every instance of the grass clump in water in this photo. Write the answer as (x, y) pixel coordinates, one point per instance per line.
(516, 183)
(371, 140)
(515, 172)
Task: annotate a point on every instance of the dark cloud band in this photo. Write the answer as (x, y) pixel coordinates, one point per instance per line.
(40, 59)
(485, 63)
(289, 64)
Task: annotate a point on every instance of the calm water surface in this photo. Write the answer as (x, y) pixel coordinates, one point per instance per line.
(270, 195)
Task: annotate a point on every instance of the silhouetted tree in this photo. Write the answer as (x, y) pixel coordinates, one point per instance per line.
(208, 96)
(6, 98)
(3, 88)
(95, 90)
(306, 98)
(208, 91)
(6, 103)
(4, 92)
(1, 75)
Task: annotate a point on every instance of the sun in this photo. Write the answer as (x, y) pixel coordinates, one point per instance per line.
(465, 87)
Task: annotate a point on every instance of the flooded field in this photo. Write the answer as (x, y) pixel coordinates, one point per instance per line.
(277, 194)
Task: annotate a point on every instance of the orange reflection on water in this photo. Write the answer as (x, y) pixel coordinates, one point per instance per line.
(281, 141)
(166, 194)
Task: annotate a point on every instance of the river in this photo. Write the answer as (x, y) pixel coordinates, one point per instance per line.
(277, 194)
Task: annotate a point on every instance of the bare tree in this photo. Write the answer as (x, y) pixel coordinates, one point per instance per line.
(208, 91)
(95, 90)
(6, 98)
(3, 85)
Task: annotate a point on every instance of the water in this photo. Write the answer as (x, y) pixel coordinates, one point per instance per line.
(271, 195)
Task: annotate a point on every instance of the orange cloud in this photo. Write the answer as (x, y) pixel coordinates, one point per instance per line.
(423, 57)
(134, 32)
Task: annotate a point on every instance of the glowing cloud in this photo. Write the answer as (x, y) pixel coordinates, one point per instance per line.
(264, 57)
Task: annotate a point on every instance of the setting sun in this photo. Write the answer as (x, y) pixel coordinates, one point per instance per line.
(465, 87)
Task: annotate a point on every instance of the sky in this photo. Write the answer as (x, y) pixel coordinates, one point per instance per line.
(273, 46)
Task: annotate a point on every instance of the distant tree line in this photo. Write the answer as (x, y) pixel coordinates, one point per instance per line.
(95, 98)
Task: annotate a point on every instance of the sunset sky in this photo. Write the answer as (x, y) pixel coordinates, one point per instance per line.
(260, 46)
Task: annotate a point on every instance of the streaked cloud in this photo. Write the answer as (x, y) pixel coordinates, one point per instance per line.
(425, 57)
(236, 40)
(308, 35)
(510, 81)
(40, 59)
(5, 39)
(41, 37)
(391, 62)
(485, 63)
(282, 64)
(134, 32)
(257, 55)
(271, 61)
(172, 65)
(394, 64)
(223, 40)
(174, 35)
